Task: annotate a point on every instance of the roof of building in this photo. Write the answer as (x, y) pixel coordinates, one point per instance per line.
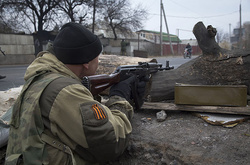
(110, 34)
(165, 38)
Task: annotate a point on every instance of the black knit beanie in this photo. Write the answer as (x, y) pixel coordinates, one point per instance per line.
(75, 44)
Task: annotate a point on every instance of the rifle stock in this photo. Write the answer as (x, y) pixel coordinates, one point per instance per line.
(98, 83)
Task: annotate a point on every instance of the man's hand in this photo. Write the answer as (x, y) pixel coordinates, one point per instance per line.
(123, 88)
(139, 91)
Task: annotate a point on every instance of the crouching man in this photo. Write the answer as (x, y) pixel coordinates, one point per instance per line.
(55, 119)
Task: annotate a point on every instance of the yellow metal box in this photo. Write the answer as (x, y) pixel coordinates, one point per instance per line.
(217, 95)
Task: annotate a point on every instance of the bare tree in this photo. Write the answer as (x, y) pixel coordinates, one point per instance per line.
(222, 36)
(95, 4)
(223, 39)
(120, 16)
(4, 28)
(75, 10)
(32, 12)
(37, 12)
(5, 25)
(10, 16)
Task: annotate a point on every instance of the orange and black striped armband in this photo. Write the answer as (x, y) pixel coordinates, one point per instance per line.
(98, 112)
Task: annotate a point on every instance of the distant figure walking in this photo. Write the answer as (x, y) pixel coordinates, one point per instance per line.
(123, 47)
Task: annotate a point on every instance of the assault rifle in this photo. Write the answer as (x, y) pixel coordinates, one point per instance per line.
(98, 83)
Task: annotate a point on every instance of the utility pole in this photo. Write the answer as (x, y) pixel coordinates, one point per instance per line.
(138, 41)
(178, 43)
(240, 35)
(230, 33)
(172, 51)
(161, 29)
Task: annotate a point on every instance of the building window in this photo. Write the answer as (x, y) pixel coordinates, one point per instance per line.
(143, 35)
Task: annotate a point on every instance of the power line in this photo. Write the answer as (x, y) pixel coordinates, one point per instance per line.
(185, 7)
(221, 15)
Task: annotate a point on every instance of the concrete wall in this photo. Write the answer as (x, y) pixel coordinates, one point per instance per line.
(117, 50)
(18, 49)
(111, 46)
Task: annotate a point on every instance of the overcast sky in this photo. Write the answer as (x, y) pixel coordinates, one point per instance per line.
(184, 14)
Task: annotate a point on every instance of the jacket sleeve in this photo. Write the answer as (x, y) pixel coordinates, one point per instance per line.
(94, 131)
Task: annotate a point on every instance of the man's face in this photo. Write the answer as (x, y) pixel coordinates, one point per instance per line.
(91, 67)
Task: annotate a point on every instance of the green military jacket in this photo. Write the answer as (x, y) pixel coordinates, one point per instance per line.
(55, 120)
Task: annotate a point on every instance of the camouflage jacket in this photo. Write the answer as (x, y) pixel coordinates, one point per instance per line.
(55, 120)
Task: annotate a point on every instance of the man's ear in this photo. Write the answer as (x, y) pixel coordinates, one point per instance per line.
(85, 66)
